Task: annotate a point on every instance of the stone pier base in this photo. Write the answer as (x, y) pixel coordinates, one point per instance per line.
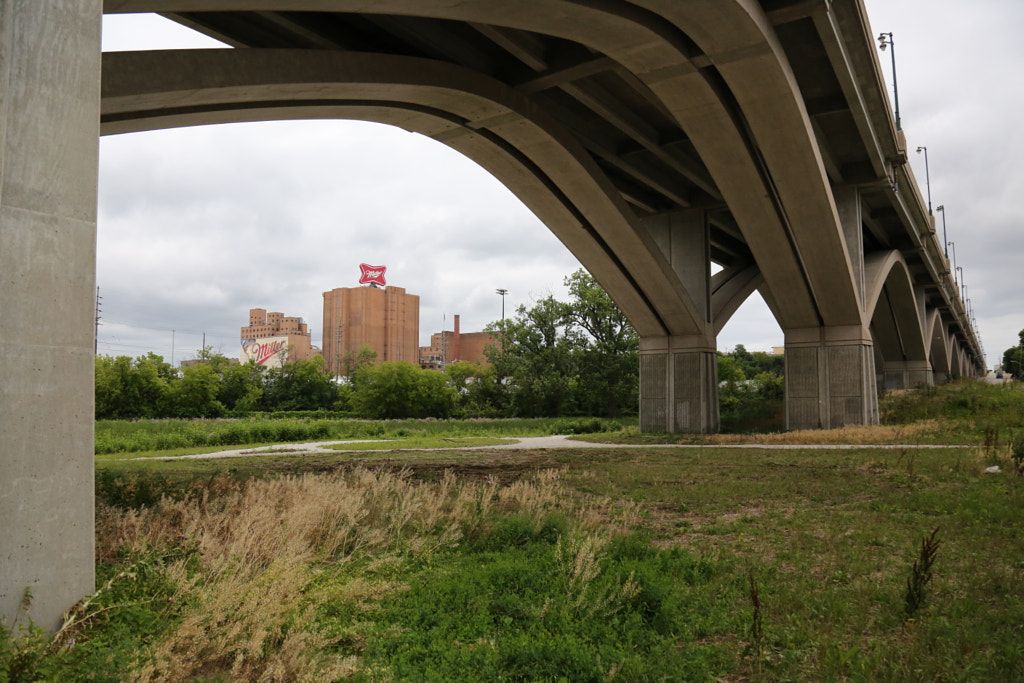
(678, 385)
(908, 374)
(830, 378)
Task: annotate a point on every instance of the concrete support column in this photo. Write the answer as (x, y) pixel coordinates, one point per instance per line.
(849, 208)
(678, 385)
(679, 373)
(49, 152)
(685, 240)
(830, 378)
(907, 374)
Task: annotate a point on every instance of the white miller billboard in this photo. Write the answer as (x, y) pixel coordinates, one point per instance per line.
(270, 352)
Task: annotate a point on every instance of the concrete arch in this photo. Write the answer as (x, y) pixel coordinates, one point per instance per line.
(939, 345)
(897, 327)
(729, 289)
(891, 305)
(716, 107)
(487, 121)
(740, 42)
(958, 360)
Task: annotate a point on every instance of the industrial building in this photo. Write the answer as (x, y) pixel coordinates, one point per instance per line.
(386, 320)
(272, 339)
(451, 346)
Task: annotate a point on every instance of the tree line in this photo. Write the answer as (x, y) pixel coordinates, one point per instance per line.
(1013, 358)
(574, 358)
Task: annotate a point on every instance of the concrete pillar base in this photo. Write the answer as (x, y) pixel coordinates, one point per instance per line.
(907, 374)
(678, 385)
(830, 378)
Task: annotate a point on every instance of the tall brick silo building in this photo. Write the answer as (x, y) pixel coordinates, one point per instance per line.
(386, 319)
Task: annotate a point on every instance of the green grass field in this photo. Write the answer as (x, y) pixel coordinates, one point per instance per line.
(673, 564)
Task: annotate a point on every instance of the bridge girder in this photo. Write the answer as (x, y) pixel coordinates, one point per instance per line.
(720, 87)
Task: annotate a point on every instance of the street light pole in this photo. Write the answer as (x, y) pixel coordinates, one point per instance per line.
(942, 208)
(502, 293)
(882, 43)
(953, 244)
(927, 179)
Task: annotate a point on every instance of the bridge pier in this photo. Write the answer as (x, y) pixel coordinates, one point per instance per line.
(678, 384)
(49, 152)
(908, 374)
(830, 378)
(679, 373)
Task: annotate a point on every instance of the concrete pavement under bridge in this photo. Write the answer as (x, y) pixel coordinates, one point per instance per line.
(653, 137)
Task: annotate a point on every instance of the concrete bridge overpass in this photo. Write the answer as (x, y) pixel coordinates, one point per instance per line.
(654, 138)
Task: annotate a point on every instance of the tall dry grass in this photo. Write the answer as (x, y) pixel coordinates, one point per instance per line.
(849, 434)
(248, 586)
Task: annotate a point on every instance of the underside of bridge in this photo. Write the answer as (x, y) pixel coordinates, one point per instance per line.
(654, 138)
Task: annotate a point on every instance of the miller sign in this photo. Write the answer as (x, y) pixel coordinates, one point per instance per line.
(372, 275)
(270, 352)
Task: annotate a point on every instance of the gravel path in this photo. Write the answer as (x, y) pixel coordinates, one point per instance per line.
(528, 442)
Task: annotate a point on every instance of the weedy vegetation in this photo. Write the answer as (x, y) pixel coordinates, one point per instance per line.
(679, 564)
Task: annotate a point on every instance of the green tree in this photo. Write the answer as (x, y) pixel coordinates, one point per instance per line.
(349, 362)
(299, 385)
(536, 354)
(394, 390)
(1013, 358)
(479, 391)
(580, 356)
(127, 388)
(730, 370)
(241, 386)
(194, 394)
(607, 349)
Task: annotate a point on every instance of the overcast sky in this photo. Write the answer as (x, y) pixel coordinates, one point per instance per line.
(198, 225)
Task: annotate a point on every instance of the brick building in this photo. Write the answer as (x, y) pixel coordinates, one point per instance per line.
(272, 339)
(449, 346)
(385, 319)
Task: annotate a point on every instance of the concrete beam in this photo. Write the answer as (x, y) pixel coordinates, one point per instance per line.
(49, 122)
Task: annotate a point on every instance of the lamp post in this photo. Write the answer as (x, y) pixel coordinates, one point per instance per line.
(960, 287)
(953, 244)
(927, 180)
(883, 43)
(502, 292)
(942, 208)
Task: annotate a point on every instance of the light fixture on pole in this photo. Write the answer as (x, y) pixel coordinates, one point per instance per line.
(502, 292)
(960, 287)
(883, 43)
(942, 208)
(953, 245)
(927, 179)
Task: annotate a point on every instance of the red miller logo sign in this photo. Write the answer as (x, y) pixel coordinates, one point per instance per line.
(372, 275)
(262, 350)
